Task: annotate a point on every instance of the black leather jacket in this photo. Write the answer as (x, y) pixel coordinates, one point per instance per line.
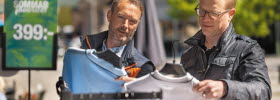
(237, 60)
(130, 55)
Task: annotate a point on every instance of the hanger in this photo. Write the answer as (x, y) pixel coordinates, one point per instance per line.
(171, 68)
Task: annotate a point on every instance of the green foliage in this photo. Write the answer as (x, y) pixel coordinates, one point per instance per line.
(252, 17)
(182, 9)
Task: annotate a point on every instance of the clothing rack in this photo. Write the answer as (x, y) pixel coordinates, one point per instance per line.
(65, 94)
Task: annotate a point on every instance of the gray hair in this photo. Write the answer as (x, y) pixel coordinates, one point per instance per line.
(138, 3)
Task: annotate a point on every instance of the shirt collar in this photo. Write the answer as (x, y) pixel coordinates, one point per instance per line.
(202, 43)
(117, 50)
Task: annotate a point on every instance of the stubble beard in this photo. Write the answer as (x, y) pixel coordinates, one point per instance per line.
(117, 39)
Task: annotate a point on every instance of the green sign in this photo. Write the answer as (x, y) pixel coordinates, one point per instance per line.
(30, 27)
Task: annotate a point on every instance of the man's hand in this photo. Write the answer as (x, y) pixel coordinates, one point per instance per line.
(125, 78)
(211, 89)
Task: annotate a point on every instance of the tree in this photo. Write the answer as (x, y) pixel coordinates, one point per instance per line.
(182, 9)
(252, 17)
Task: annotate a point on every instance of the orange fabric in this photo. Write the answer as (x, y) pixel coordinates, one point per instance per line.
(133, 72)
(128, 67)
(88, 42)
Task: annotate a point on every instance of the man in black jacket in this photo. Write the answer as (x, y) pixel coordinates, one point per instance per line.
(124, 17)
(230, 66)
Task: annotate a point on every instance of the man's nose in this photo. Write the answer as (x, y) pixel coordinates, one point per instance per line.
(125, 23)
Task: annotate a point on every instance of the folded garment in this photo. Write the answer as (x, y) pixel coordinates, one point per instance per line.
(85, 72)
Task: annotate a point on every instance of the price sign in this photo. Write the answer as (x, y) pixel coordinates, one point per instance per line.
(29, 32)
(30, 27)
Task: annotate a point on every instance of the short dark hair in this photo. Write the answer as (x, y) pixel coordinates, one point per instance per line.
(138, 3)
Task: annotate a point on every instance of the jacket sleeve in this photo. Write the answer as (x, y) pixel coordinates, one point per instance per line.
(252, 72)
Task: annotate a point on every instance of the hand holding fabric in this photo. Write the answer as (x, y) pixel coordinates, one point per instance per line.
(125, 78)
(211, 89)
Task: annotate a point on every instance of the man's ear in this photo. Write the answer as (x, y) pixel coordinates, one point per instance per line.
(109, 14)
(231, 13)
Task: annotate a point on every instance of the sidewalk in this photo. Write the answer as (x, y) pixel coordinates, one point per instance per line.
(273, 63)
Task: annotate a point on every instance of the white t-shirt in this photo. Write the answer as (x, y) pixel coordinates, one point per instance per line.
(179, 88)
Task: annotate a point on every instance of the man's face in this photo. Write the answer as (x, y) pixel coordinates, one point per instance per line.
(123, 21)
(214, 26)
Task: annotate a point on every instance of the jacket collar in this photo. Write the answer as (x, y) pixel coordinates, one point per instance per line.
(199, 38)
(98, 39)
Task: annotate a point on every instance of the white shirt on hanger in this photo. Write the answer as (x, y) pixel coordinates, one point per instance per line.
(173, 88)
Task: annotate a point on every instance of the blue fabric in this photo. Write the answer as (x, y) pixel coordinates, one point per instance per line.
(86, 73)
